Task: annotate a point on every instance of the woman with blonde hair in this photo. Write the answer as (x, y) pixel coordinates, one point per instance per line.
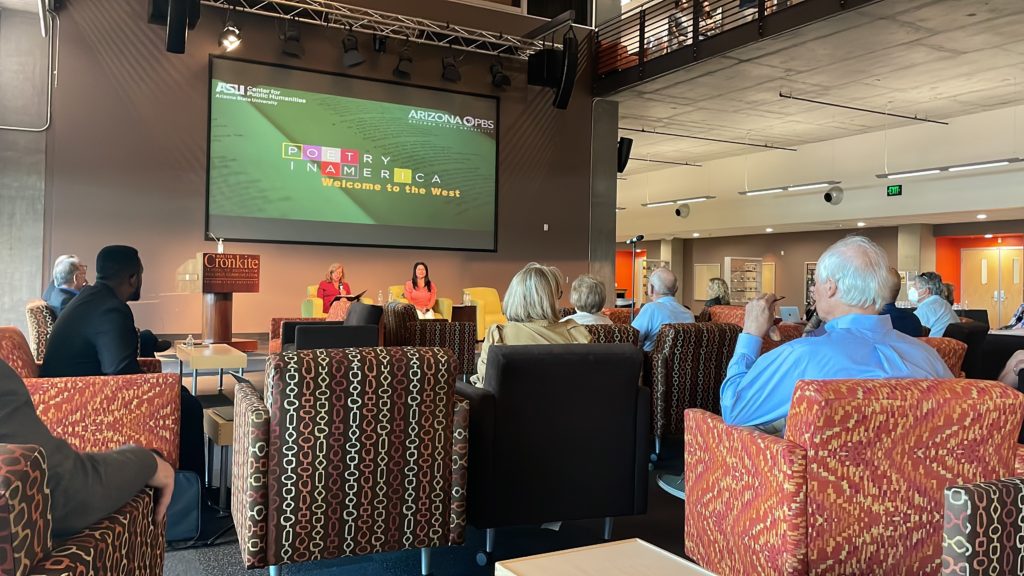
(531, 306)
(331, 287)
(718, 293)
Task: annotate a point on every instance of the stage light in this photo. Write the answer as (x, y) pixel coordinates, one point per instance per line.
(498, 77)
(231, 37)
(291, 40)
(403, 69)
(450, 69)
(380, 43)
(352, 57)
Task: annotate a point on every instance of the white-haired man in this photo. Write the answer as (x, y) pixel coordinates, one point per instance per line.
(849, 288)
(68, 279)
(662, 309)
(933, 309)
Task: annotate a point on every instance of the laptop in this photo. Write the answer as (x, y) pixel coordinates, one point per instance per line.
(790, 313)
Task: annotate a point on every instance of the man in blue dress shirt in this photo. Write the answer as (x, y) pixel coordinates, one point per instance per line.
(934, 311)
(903, 320)
(663, 308)
(850, 285)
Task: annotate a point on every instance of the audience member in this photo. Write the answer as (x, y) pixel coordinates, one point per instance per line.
(662, 309)
(851, 285)
(531, 306)
(1011, 371)
(96, 336)
(68, 279)
(83, 487)
(932, 309)
(947, 292)
(332, 286)
(48, 292)
(421, 292)
(718, 293)
(680, 25)
(587, 297)
(1017, 321)
(710, 20)
(903, 320)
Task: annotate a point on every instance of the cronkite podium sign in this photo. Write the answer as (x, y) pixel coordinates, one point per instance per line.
(223, 275)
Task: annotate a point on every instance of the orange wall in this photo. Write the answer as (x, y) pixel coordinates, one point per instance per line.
(947, 255)
(623, 259)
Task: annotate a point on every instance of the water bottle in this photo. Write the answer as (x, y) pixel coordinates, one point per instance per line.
(465, 299)
(391, 296)
(189, 342)
(380, 297)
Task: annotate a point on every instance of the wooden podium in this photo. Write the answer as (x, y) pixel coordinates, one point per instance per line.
(223, 275)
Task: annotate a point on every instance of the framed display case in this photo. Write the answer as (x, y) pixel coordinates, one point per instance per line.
(744, 278)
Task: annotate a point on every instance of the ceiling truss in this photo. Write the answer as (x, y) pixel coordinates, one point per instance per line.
(337, 15)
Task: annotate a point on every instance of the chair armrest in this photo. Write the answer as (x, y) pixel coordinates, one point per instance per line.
(98, 413)
(151, 365)
(277, 323)
(643, 448)
(746, 498)
(25, 521)
(482, 409)
(249, 468)
(1018, 460)
(443, 306)
(459, 337)
(460, 470)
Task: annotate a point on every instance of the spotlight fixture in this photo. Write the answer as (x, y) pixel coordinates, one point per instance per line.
(679, 201)
(981, 216)
(380, 43)
(790, 188)
(498, 77)
(769, 230)
(952, 168)
(450, 69)
(696, 234)
(231, 37)
(403, 69)
(350, 44)
(292, 40)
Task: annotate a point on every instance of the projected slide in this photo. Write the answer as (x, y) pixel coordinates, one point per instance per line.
(297, 156)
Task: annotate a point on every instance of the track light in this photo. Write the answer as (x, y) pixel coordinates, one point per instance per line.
(679, 201)
(450, 69)
(231, 37)
(352, 57)
(790, 188)
(292, 40)
(498, 77)
(403, 69)
(380, 43)
(952, 168)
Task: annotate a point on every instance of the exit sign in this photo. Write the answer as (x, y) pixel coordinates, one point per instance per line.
(894, 190)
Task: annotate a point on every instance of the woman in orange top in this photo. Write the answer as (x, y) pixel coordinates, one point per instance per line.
(332, 286)
(420, 291)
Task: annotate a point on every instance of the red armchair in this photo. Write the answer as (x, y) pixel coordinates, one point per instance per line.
(855, 486)
(92, 414)
(951, 351)
(398, 490)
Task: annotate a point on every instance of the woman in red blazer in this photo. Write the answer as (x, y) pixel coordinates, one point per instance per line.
(332, 286)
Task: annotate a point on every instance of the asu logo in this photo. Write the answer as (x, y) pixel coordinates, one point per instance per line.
(225, 88)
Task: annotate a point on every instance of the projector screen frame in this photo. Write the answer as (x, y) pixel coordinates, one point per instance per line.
(209, 119)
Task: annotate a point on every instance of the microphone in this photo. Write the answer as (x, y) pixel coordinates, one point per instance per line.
(635, 239)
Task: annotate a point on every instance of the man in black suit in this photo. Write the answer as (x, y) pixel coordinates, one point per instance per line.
(95, 335)
(84, 487)
(68, 281)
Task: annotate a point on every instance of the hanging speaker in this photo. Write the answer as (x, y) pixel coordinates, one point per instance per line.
(179, 16)
(570, 61)
(625, 146)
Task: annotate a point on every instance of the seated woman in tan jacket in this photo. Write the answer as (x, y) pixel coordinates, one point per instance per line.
(531, 306)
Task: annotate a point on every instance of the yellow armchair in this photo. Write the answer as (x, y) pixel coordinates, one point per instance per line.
(312, 306)
(488, 309)
(442, 307)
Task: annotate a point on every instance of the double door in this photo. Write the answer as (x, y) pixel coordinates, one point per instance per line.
(990, 278)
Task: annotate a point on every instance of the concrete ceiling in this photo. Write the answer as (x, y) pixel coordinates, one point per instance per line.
(23, 5)
(939, 59)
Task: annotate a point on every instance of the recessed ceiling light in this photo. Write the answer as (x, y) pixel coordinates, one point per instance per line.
(981, 216)
(769, 229)
(988, 235)
(861, 224)
(696, 234)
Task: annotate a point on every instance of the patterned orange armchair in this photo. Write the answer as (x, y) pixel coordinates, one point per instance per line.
(16, 351)
(620, 315)
(687, 370)
(93, 414)
(856, 485)
(951, 351)
(401, 490)
(727, 314)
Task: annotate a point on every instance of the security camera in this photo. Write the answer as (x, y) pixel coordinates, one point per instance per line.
(834, 196)
(682, 211)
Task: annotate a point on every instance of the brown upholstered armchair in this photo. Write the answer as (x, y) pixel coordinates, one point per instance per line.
(276, 324)
(613, 334)
(397, 323)
(394, 457)
(92, 413)
(856, 484)
(983, 527)
(687, 370)
(459, 337)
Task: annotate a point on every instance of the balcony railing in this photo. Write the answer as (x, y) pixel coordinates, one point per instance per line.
(664, 35)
